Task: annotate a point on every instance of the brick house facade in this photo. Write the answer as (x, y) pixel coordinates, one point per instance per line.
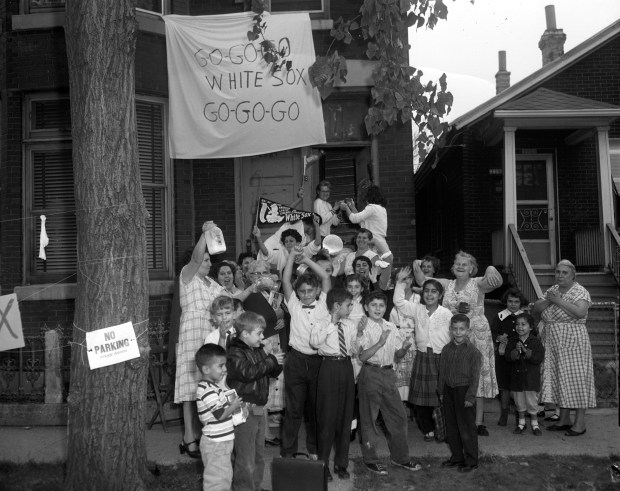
(34, 65)
(567, 111)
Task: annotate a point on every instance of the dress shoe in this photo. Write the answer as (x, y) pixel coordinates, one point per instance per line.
(449, 464)
(184, 448)
(330, 478)
(341, 472)
(558, 427)
(536, 431)
(429, 437)
(275, 442)
(570, 432)
(467, 468)
(482, 430)
(520, 429)
(553, 417)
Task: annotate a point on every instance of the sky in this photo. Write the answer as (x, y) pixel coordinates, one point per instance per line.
(466, 46)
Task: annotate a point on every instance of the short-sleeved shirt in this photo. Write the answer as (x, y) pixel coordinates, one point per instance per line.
(211, 403)
(372, 333)
(303, 320)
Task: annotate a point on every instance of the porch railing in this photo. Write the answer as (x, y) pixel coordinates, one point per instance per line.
(521, 268)
(613, 246)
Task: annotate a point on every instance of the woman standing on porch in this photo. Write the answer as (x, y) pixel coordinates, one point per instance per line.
(568, 375)
(465, 295)
(196, 292)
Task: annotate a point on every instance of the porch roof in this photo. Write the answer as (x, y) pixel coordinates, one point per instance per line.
(545, 108)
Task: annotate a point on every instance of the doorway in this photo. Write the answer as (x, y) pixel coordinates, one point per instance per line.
(536, 208)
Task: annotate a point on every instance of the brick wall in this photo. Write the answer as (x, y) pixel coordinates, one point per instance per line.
(214, 199)
(396, 183)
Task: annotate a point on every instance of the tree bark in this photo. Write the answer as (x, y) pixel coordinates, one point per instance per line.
(106, 405)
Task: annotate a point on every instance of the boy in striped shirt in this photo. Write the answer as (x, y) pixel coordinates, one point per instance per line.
(215, 412)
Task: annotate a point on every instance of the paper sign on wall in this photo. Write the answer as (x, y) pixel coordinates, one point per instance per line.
(224, 102)
(111, 345)
(11, 334)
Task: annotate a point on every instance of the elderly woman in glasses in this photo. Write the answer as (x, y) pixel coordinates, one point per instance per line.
(568, 374)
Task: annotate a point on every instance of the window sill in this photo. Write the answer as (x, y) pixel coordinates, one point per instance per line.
(147, 22)
(68, 291)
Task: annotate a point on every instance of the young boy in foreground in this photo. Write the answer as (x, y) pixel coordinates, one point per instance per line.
(334, 341)
(215, 413)
(249, 369)
(459, 371)
(380, 346)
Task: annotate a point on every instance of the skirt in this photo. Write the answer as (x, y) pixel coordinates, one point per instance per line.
(424, 378)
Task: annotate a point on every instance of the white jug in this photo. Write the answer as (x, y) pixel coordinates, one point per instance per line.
(215, 238)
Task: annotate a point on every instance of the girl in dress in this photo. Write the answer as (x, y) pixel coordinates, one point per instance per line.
(431, 334)
(465, 295)
(503, 328)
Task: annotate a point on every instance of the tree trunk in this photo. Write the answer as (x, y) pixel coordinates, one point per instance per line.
(106, 405)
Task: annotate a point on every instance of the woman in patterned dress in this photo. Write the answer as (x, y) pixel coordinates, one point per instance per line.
(196, 292)
(568, 374)
(465, 295)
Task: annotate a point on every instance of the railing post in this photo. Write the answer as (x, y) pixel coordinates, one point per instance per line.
(53, 375)
(606, 196)
(510, 188)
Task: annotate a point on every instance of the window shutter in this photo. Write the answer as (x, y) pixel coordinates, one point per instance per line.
(53, 197)
(151, 147)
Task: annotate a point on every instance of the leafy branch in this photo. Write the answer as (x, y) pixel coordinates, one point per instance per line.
(398, 93)
(272, 56)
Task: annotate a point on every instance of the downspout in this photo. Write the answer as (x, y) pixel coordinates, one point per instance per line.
(374, 159)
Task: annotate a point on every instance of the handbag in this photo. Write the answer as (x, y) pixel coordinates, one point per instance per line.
(440, 424)
(298, 474)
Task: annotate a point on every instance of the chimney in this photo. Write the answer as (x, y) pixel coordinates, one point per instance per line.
(552, 41)
(502, 77)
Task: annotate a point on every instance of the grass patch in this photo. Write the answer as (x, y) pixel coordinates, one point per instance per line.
(536, 472)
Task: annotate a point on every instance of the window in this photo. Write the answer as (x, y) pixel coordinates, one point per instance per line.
(614, 157)
(315, 7)
(49, 187)
(36, 6)
(159, 6)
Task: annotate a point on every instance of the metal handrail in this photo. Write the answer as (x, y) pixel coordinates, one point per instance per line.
(521, 268)
(613, 246)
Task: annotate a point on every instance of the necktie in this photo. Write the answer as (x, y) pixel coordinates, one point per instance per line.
(227, 342)
(341, 341)
(307, 306)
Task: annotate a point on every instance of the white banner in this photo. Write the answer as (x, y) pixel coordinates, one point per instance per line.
(11, 334)
(223, 100)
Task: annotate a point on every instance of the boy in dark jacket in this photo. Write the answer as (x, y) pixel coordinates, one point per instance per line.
(525, 354)
(249, 368)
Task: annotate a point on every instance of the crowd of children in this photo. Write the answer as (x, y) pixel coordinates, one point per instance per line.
(346, 366)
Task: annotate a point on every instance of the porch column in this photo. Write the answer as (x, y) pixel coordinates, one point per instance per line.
(606, 204)
(510, 188)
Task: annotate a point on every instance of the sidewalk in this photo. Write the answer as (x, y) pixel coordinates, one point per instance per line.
(49, 443)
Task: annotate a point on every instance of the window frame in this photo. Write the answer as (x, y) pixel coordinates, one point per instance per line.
(27, 8)
(50, 139)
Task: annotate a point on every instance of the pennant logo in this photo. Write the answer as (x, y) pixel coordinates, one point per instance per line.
(271, 213)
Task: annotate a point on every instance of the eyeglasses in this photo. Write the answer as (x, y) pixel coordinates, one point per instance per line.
(263, 273)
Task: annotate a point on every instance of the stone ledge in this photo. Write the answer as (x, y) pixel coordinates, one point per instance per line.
(39, 414)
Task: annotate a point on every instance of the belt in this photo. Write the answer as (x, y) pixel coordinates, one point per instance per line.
(375, 365)
(303, 355)
(336, 358)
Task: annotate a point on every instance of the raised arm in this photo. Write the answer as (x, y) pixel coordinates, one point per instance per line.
(287, 275)
(198, 255)
(326, 282)
(490, 281)
(261, 245)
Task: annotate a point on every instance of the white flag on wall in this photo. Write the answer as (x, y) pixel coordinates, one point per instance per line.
(223, 100)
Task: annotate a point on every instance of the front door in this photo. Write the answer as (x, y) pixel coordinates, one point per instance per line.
(275, 176)
(535, 208)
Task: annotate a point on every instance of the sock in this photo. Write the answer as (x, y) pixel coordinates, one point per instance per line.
(534, 423)
(521, 421)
